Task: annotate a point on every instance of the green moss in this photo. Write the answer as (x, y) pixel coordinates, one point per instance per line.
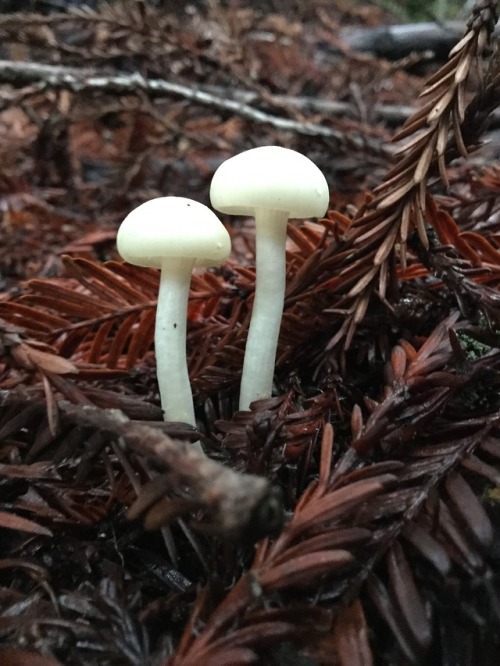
(473, 348)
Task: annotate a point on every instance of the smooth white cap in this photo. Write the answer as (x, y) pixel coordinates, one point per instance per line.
(273, 178)
(172, 227)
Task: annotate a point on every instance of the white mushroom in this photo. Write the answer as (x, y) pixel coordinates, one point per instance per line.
(173, 234)
(271, 184)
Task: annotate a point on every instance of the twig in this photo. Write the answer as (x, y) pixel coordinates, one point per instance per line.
(231, 501)
(394, 114)
(78, 81)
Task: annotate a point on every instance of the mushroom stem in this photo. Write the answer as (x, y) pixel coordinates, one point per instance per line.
(262, 341)
(170, 340)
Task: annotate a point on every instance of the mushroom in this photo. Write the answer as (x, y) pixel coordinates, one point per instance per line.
(271, 184)
(173, 234)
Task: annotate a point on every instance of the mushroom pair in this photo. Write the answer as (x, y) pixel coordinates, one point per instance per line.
(175, 234)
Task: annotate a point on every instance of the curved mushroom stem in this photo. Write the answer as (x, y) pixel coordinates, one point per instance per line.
(170, 341)
(262, 341)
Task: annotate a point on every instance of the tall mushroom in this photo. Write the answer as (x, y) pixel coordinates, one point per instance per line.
(271, 184)
(173, 234)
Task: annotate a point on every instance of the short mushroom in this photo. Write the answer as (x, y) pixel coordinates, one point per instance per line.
(173, 234)
(271, 184)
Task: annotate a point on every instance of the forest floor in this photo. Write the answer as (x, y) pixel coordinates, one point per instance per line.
(352, 518)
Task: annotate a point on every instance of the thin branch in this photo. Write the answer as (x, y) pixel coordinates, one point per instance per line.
(232, 502)
(79, 80)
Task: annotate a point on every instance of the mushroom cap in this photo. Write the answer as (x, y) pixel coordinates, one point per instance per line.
(172, 227)
(270, 177)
